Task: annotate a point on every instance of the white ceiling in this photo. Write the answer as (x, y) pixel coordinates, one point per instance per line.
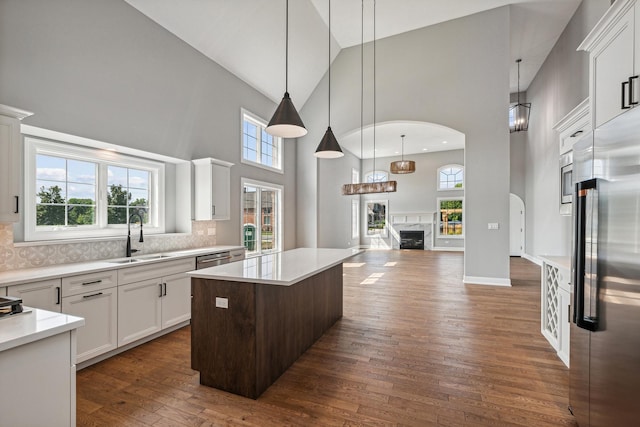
(247, 37)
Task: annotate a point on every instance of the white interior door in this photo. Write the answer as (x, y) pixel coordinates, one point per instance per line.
(516, 228)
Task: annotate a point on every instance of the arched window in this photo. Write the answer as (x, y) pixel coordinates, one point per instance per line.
(450, 177)
(376, 176)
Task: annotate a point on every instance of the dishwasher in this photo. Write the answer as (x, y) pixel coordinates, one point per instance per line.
(210, 260)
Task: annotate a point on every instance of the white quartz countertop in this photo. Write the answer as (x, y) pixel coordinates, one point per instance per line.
(558, 261)
(282, 268)
(26, 327)
(27, 275)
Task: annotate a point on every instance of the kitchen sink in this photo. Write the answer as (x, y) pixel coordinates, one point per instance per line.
(139, 259)
(124, 261)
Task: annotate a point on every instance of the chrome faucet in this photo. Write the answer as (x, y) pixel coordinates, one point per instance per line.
(129, 250)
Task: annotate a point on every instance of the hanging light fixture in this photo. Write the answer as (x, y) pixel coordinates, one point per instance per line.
(286, 122)
(329, 147)
(403, 166)
(368, 187)
(519, 113)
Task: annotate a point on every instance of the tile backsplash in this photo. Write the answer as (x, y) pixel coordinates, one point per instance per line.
(15, 257)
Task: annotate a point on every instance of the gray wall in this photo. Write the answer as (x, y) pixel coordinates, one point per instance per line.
(560, 85)
(100, 69)
(455, 74)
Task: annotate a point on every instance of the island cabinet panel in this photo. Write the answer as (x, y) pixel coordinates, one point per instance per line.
(244, 348)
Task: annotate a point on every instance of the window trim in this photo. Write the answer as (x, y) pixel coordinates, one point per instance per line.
(355, 219)
(451, 165)
(34, 145)
(279, 221)
(262, 123)
(438, 216)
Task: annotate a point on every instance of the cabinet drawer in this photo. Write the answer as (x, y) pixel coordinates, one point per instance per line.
(74, 285)
(154, 270)
(237, 255)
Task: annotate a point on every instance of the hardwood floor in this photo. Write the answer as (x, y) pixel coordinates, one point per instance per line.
(415, 347)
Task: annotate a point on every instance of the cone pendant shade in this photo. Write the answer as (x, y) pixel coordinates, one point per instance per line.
(329, 147)
(286, 122)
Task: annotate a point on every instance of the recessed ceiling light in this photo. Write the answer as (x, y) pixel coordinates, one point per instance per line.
(397, 152)
(444, 142)
(111, 149)
(425, 149)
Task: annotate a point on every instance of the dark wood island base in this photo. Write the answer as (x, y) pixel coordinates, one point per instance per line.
(244, 348)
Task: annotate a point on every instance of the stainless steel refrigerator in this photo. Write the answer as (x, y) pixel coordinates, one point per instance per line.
(605, 329)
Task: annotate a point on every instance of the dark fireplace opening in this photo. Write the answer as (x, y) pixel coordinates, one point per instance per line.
(411, 239)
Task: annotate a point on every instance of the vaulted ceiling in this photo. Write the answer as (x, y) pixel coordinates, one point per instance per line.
(247, 37)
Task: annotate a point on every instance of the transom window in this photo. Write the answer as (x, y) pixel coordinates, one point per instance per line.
(376, 176)
(77, 192)
(451, 177)
(258, 147)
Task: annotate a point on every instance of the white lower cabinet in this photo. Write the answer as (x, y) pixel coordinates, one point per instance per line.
(45, 294)
(100, 311)
(556, 299)
(155, 303)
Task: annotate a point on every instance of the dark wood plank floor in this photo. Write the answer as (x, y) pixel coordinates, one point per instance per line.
(415, 347)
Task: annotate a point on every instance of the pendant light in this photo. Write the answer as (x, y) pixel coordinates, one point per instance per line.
(519, 113)
(403, 166)
(329, 147)
(369, 187)
(286, 122)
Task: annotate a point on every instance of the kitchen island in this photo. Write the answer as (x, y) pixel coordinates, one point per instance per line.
(252, 319)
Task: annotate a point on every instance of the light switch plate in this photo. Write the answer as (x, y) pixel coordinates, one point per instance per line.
(493, 226)
(222, 302)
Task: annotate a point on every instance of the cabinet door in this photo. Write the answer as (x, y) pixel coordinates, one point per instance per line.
(9, 169)
(44, 294)
(612, 65)
(176, 302)
(139, 308)
(220, 198)
(100, 311)
(564, 300)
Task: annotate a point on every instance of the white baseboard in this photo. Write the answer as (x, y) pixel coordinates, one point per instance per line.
(491, 281)
(447, 248)
(532, 258)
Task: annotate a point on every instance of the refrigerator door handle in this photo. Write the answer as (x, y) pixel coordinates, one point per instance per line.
(586, 237)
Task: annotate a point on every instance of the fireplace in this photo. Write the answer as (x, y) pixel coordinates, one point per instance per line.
(411, 239)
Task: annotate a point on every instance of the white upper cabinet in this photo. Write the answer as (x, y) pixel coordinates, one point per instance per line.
(573, 126)
(213, 189)
(10, 147)
(614, 62)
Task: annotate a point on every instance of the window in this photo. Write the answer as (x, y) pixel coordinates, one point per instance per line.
(376, 176)
(451, 177)
(377, 218)
(258, 147)
(261, 217)
(355, 176)
(450, 217)
(355, 219)
(78, 192)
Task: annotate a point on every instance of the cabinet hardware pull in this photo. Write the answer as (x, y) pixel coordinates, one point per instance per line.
(160, 284)
(58, 295)
(624, 106)
(165, 289)
(92, 295)
(95, 282)
(631, 101)
(207, 261)
(214, 210)
(17, 204)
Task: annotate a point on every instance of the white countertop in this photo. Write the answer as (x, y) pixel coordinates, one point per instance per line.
(23, 328)
(27, 275)
(558, 261)
(282, 268)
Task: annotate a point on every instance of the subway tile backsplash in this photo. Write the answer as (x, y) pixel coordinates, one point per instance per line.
(16, 257)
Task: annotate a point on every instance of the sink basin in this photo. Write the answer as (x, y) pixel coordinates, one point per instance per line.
(150, 257)
(124, 261)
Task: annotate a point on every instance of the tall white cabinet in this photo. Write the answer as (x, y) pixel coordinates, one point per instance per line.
(212, 186)
(10, 145)
(614, 62)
